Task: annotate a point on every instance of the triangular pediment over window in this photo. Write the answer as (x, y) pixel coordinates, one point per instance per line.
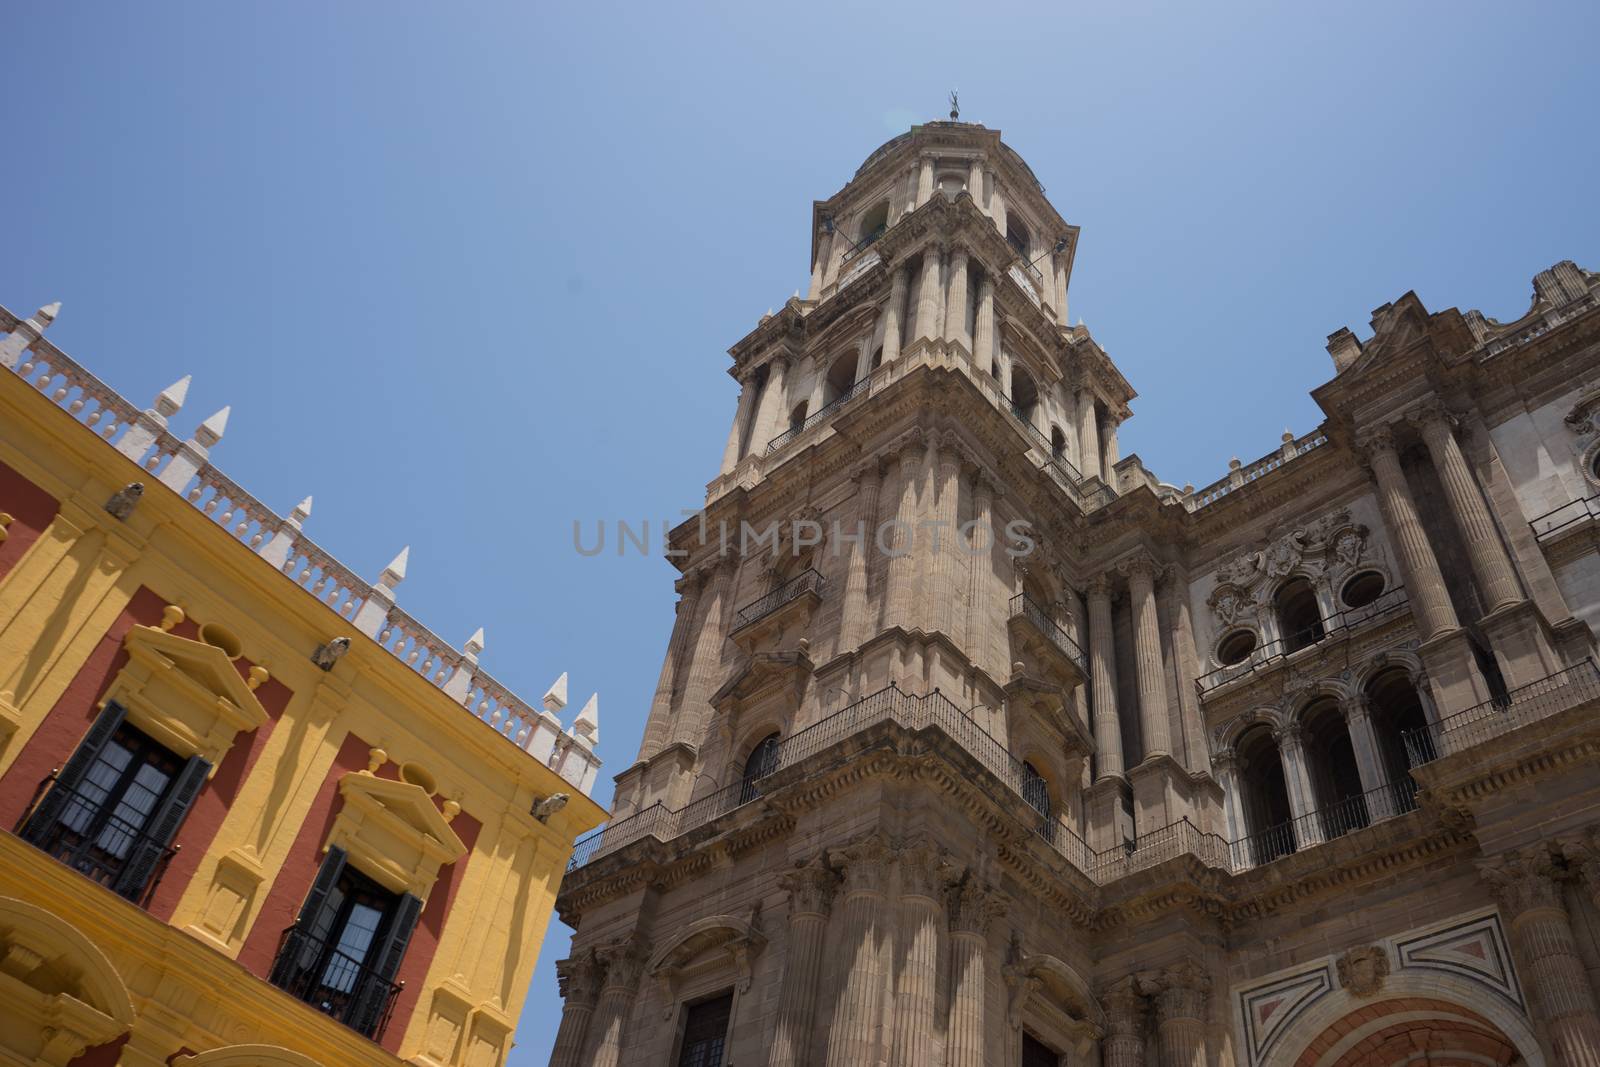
(186, 694)
(394, 833)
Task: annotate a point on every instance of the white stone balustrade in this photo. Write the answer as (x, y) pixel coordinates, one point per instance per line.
(185, 467)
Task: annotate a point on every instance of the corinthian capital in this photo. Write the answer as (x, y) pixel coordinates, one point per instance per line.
(1179, 992)
(924, 869)
(1375, 440)
(623, 961)
(810, 887)
(974, 904)
(1101, 585)
(1523, 880)
(864, 864)
(1431, 417)
(578, 978)
(1125, 1007)
(1140, 567)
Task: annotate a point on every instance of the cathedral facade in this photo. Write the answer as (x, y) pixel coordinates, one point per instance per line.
(977, 743)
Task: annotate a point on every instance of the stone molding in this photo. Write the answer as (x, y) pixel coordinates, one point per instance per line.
(974, 904)
(811, 887)
(579, 978)
(624, 962)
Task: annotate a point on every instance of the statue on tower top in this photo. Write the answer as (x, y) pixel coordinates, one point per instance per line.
(955, 106)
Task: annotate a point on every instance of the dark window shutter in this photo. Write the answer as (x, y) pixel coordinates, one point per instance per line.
(384, 963)
(327, 878)
(44, 817)
(162, 827)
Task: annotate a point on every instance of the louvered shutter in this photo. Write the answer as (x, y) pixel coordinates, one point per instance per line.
(383, 963)
(44, 817)
(161, 828)
(283, 968)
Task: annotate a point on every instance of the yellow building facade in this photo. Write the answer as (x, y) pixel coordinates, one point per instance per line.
(253, 813)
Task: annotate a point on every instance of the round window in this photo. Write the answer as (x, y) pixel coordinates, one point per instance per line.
(1236, 647)
(1362, 589)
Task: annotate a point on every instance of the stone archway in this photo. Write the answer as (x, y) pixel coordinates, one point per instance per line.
(1420, 1030)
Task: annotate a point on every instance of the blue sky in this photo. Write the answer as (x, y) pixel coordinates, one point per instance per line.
(469, 272)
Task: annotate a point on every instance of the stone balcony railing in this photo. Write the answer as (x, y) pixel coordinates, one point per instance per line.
(1242, 474)
(1536, 701)
(185, 467)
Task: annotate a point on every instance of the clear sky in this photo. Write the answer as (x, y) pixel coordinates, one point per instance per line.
(468, 272)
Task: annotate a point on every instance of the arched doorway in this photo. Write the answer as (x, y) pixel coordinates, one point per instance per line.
(1335, 776)
(1419, 1030)
(762, 761)
(1024, 394)
(1397, 713)
(840, 380)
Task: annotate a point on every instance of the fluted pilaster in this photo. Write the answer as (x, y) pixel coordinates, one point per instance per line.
(941, 546)
(1489, 560)
(855, 623)
(855, 1037)
(928, 294)
(1141, 573)
(579, 981)
(1103, 677)
(921, 923)
(741, 416)
(773, 406)
(893, 315)
(1179, 995)
(955, 305)
(624, 965)
(981, 582)
(1124, 1041)
(811, 887)
(705, 667)
(1088, 435)
(983, 325)
(1541, 933)
(1424, 583)
(659, 727)
(973, 906)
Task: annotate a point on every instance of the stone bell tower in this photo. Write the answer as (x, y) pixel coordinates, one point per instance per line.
(977, 743)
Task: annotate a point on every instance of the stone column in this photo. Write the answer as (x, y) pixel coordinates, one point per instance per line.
(1541, 933)
(983, 325)
(921, 877)
(900, 593)
(1424, 583)
(705, 666)
(658, 728)
(1225, 767)
(819, 266)
(924, 180)
(1186, 670)
(1369, 764)
(941, 543)
(854, 622)
(973, 906)
(893, 325)
(1489, 560)
(624, 964)
(1103, 677)
(773, 407)
(975, 182)
(928, 323)
(1141, 574)
(1061, 290)
(1302, 801)
(579, 979)
(980, 574)
(810, 887)
(1179, 994)
(1108, 465)
(855, 1036)
(955, 305)
(1124, 1040)
(741, 417)
(1088, 434)
(863, 369)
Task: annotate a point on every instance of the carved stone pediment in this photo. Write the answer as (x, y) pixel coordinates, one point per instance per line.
(762, 673)
(711, 943)
(186, 694)
(1044, 988)
(394, 832)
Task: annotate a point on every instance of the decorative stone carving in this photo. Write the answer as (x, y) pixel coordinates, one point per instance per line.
(579, 978)
(1322, 549)
(624, 962)
(1363, 969)
(811, 887)
(864, 864)
(924, 870)
(1523, 880)
(973, 905)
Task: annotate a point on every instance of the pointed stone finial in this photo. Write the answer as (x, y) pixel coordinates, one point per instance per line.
(302, 510)
(1288, 435)
(210, 432)
(1234, 464)
(170, 399)
(555, 698)
(47, 314)
(395, 572)
(587, 724)
(474, 645)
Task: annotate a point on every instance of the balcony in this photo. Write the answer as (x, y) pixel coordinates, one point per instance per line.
(1569, 518)
(808, 584)
(1521, 706)
(823, 414)
(96, 844)
(340, 986)
(1391, 604)
(1343, 816)
(1040, 634)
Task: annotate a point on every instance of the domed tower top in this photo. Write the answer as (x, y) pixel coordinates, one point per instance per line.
(944, 157)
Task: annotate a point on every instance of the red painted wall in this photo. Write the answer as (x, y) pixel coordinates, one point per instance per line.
(63, 728)
(288, 892)
(30, 507)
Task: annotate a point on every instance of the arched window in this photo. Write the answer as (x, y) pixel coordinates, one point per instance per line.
(873, 224)
(1264, 797)
(763, 760)
(797, 417)
(1299, 618)
(1017, 235)
(1236, 647)
(1400, 725)
(1331, 761)
(1024, 394)
(877, 357)
(1058, 443)
(841, 377)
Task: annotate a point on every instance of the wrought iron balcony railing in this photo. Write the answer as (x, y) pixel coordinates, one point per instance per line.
(1343, 816)
(1569, 515)
(1525, 704)
(315, 972)
(91, 842)
(1340, 624)
(807, 581)
(1024, 606)
(822, 415)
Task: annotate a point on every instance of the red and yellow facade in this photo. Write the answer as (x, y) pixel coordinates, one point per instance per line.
(160, 681)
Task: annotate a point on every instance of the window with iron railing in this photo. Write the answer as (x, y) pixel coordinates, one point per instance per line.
(112, 810)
